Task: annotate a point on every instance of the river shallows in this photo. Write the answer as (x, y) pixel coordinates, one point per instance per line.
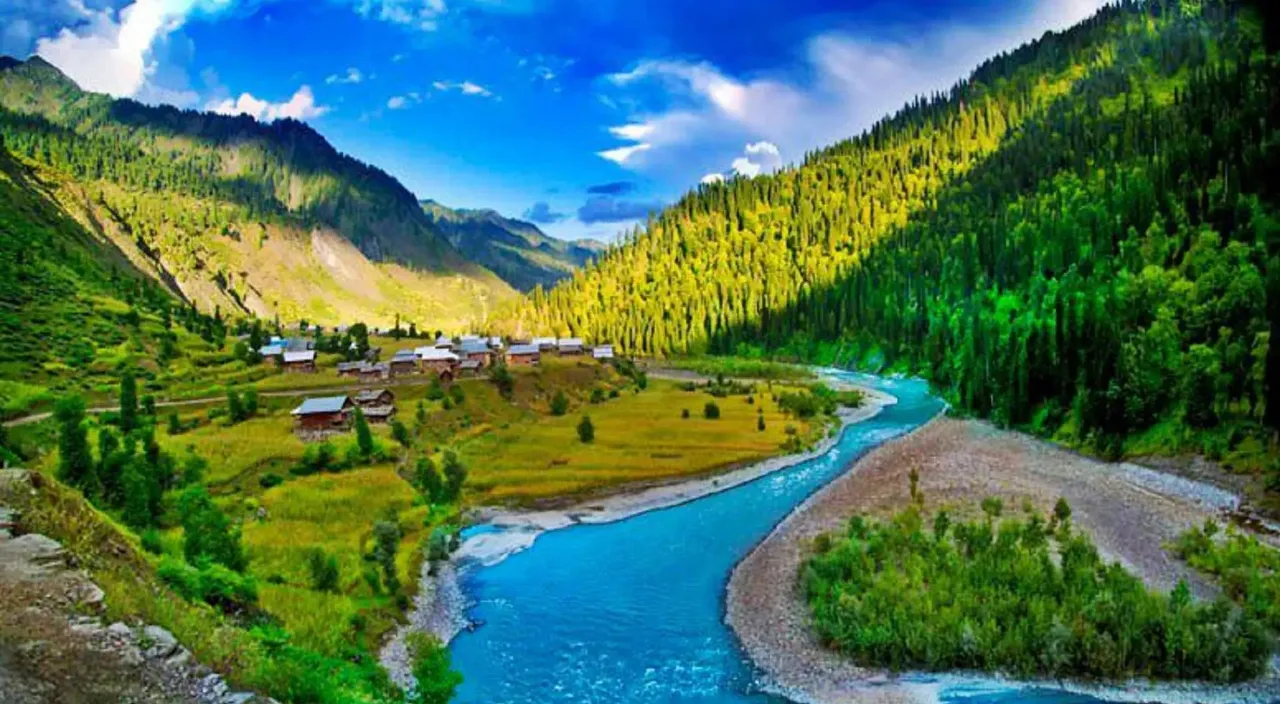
(633, 611)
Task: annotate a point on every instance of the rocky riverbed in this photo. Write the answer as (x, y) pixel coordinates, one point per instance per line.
(1130, 513)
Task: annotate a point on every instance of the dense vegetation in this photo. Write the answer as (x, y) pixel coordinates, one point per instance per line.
(1023, 597)
(516, 250)
(1247, 570)
(222, 209)
(1081, 236)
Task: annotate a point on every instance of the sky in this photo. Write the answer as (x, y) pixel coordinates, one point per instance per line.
(582, 116)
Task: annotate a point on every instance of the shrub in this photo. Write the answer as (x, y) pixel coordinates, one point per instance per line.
(684, 413)
(213, 584)
(586, 430)
(435, 391)
(457, 394)
(711, 411)
(559, 404)
(269, 480)
(320, 457)
(323, 568)
(597, 395)
(437, 681)
(760, 423)
(151, 541)
(401, 434)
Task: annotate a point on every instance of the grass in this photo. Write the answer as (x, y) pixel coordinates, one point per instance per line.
(742, 368)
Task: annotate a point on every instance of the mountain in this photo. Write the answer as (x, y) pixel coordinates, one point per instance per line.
(518, 251)
(236, 215)
(1080, 239)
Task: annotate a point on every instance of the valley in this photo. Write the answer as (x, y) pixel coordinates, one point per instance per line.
(973, 402)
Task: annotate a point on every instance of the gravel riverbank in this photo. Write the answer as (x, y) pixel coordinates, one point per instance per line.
(1130, 514)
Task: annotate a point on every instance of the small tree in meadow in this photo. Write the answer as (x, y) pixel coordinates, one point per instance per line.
(428, 480)
(386, 536)
(559, 404)
(435, 391)
(760, 423)
(364, 436)
(75, 459)
(324, 570)
(455, 474)
(586, 430)
(401, 434)
(128, 402)
(711, 411)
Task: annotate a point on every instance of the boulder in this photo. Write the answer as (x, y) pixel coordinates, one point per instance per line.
(162, 642)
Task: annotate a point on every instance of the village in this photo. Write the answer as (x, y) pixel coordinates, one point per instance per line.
(448, 359)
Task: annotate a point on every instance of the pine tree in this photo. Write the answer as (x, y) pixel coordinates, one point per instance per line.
(128, 402)
(75, 459)
(364, 436)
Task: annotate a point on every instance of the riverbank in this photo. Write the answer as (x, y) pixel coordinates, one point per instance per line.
(1129, 514)
(439, 606)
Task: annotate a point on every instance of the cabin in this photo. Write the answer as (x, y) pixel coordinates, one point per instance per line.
(376, 415)
(300, 362)
(439, 361)
(272, 352)
(469, 367)
(404, 362)
(602, 353)
(570, 346)
(327, 413)
(476, 350)
(351, 369)
(373, 398)
(375, 372)
(545, 344)
(444, 343)
(297, 344)
(523, 355)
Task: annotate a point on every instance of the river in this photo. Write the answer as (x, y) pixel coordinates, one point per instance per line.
(633, 611)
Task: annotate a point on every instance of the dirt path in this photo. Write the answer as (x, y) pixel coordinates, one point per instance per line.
(959, 462)
(273, 393)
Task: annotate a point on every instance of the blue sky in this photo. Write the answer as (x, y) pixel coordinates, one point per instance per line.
(582, 115)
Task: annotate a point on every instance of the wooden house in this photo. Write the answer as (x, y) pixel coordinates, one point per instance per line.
(351, 369)
(404, 362)
(327, 413)
(570, 346)
(372, 398)
(438, 361)
(523, 355)
(379, 414)
(375, 372)
(478, 351)
(545, 344)
(301, 362)
(468, 367)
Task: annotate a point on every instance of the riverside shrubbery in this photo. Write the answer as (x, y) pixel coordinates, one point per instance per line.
(1023, 597)
(1248, 571)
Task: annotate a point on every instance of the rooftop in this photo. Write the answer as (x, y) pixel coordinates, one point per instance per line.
(523, 349)
(325, 404)
(300, 356)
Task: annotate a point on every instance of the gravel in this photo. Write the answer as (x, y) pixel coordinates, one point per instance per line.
(1131, 513)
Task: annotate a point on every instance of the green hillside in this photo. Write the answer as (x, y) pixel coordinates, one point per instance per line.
(231, 213)
(1079, 239)
(518, 251)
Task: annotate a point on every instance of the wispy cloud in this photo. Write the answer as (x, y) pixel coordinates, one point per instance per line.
(399, 102)
(609, 209)
(542, 214)
(301, 106)
(421, 14)
(353, 75)
(465, 87)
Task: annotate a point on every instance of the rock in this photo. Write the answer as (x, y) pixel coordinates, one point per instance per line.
(162, 642)
(93, 597)
(239, 698)
(131, 656)
(213, 687)
(182, 658)
(14, 482)
(120, 630)
(32, 556)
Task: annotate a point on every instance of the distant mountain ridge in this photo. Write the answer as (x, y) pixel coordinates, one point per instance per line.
(240, 215)
(516, 250)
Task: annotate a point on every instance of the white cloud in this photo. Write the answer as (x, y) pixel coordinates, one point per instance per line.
(352, 75)
(396, 102)
(845, 83)
(465, 87)
(423, 14)
(301, 106)
(715, 177)
(622, 155)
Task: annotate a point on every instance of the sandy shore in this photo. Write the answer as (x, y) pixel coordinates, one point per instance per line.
(1130, 511)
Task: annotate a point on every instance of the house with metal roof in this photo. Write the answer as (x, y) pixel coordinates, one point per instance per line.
(569, 345)
(325, 413)
(602, 352)
(273, 350)
(371, 398)
(523, 355)
(302, 361)
(476, 350)
(546, 344)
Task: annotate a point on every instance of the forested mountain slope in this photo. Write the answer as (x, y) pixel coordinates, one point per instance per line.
(234, 214)
(523, 255)
(1081, 237)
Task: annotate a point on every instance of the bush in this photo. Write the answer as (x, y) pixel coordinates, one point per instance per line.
(711, 411)
(151, 541)
(437, 681)
(323, 568)
(760, 423)
(269, 480)
(559, 404)
(215, 585)
(586, 430)
(435, 391)
(684, 413)
(597, 395)
(992, 596)
(320, 457)
(457, 394)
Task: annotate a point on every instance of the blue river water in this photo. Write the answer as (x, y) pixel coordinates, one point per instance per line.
(633, 611)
